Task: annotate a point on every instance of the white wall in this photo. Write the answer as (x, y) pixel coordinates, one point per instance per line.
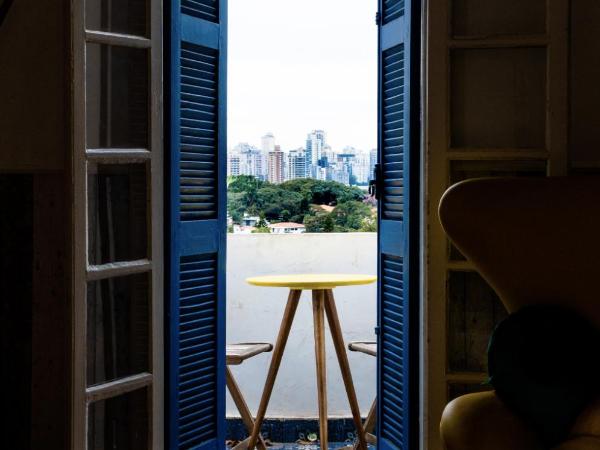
(254, 314)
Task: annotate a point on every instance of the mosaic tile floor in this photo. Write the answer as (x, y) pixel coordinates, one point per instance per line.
(295, 446)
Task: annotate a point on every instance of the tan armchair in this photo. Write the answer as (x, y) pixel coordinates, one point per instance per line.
(534, 241)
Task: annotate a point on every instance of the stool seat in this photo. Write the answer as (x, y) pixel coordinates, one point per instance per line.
(368, 348)
(238, 353)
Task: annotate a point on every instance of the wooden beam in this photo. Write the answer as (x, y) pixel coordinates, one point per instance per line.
(118, 155)
(123, 40)
(118, 269)
(118, 387)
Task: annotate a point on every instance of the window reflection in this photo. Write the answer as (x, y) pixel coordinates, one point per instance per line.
(119, 423)
(117, 216)
(116, 97)
(118, 321)
(122, 16)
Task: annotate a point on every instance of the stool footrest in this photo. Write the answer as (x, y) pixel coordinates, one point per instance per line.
(236, 354)
(368, 348)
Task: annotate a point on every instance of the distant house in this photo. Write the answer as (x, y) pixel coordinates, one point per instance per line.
(249, 221)
(287, 228)
(242, 229)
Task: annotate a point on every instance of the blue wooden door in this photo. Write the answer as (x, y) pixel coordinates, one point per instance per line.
(195, 75)
(398, 193)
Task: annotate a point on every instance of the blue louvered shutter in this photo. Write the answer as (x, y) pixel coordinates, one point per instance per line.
(196, 124)
(398, 193)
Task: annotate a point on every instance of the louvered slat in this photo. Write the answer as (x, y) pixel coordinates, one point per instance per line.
(392, 9)
(393, 133)
(393, 350)
(198, 138)
(197, 356)
(202, 9)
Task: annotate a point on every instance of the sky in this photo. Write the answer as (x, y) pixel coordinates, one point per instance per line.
(299, 65)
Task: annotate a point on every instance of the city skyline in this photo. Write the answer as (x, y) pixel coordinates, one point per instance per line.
(259, 143)
(316, 159)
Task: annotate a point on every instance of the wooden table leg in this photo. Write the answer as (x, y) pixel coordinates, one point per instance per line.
(340, 350)
(282, 337)
(318, 300)
(242, 406)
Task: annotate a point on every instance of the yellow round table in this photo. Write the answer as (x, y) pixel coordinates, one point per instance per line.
(323, 303)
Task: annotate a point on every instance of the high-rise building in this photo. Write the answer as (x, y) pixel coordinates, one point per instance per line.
(327, 153)
(276, 165)
(341, 175)
(315, 142)
(296, 164)
(245, 159)
(322, 173)
(268, 143)
(361, 168)
(233, 164)
(344, 165)
(372, 162)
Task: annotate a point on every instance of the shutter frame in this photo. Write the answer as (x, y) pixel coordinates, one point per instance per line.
(195, 121)
(398, 240)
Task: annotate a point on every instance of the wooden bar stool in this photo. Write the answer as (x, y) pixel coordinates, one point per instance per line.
(368, 348)
(323, 303)
(236, 354)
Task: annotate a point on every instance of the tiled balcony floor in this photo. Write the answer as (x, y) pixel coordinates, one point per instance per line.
(294, 446)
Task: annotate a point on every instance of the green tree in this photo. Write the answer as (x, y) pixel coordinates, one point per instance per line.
(323, 192)
(261, 225)
(350, 216)
(272, 200)
(245, 183)
(286, 215)
(236, 205)
(242, 194)
(294, 200)
(369, 224)
(321, 223)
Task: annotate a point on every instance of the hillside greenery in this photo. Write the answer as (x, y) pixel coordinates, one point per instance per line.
(322, 206)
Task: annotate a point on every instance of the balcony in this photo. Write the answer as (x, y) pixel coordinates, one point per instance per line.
(254, 315)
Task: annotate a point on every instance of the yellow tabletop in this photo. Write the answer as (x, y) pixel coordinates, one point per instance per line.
(312, 281)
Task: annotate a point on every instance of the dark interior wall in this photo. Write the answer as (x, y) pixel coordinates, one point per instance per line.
(35, 225)
(50, 330)
(34, 42)
(16, 290)
(584, 139)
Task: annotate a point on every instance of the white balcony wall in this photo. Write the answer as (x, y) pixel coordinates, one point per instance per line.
(254, 314)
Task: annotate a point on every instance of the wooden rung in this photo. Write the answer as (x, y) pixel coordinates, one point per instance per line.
(371, 438)
(368, 348)
(238, 353)
(243, 445)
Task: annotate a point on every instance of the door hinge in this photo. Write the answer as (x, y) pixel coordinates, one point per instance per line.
(375, 183)
(376, 331)
(377, 18)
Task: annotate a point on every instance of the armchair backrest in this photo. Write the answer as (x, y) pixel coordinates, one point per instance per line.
(533, 240)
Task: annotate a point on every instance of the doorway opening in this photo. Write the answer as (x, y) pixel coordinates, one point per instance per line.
(302, 139)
